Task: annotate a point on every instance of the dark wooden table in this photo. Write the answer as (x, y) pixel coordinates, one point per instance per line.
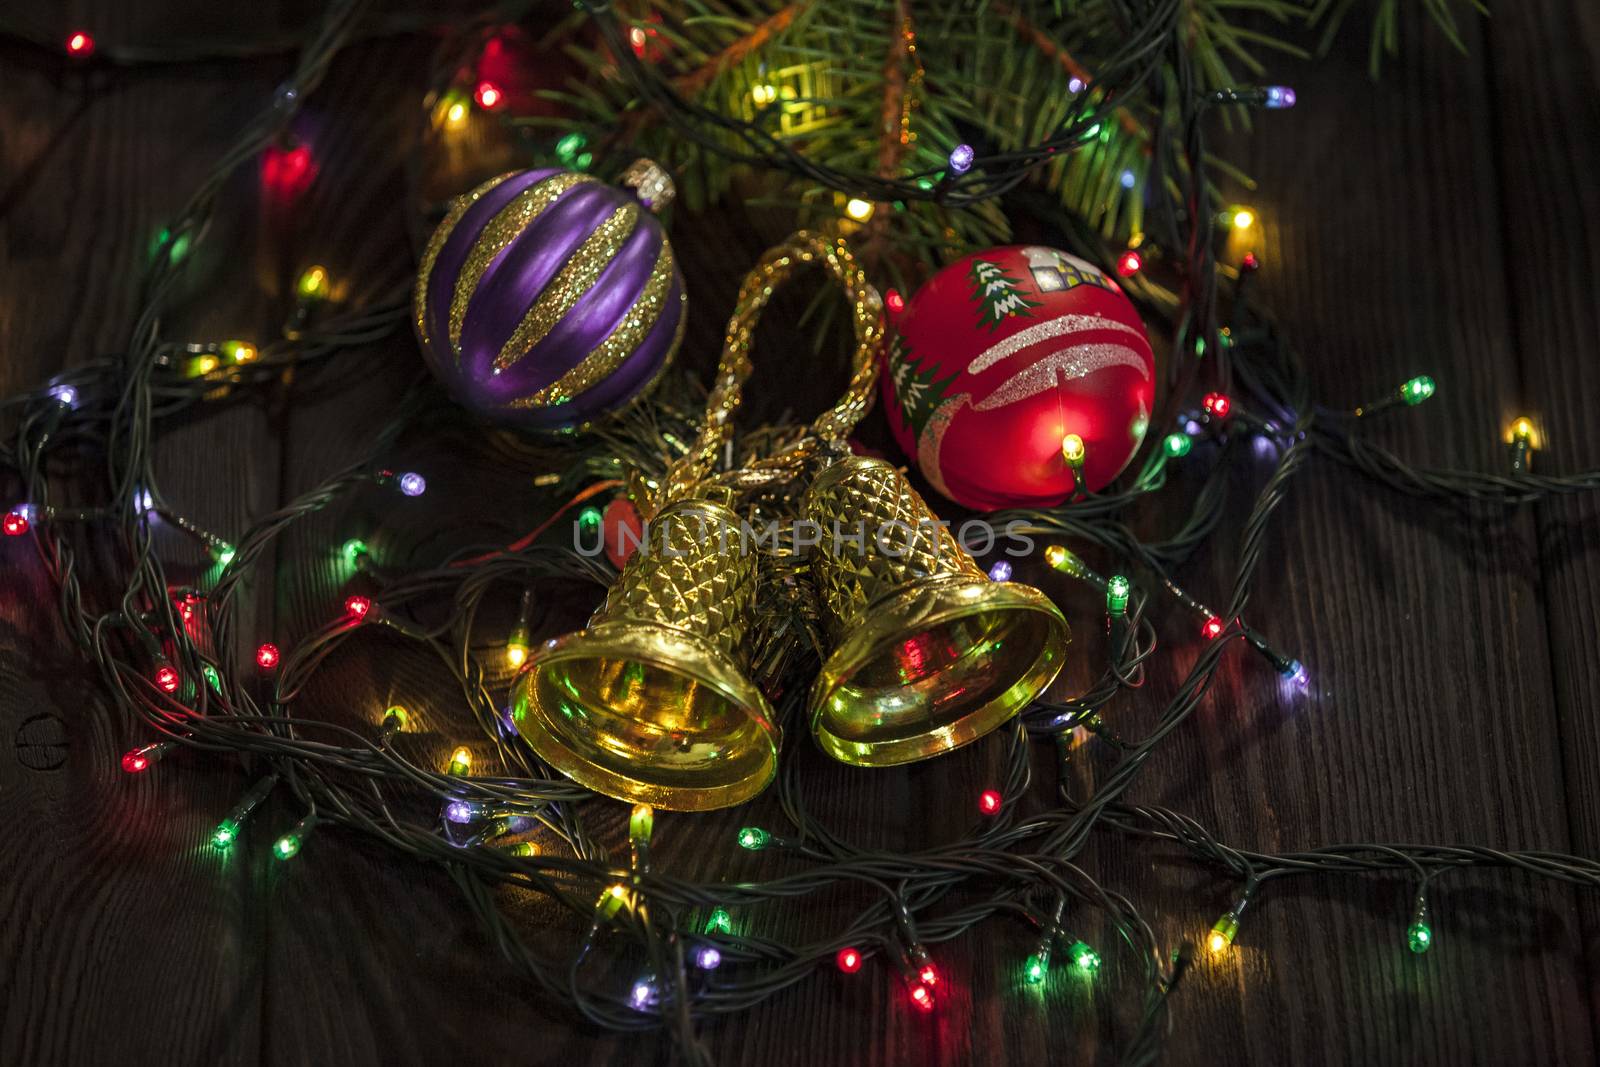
(1445, 219)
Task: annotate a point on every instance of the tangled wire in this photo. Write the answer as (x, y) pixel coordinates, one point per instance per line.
(169, 659)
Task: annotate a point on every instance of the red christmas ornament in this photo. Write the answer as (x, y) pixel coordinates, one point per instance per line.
(998, 358)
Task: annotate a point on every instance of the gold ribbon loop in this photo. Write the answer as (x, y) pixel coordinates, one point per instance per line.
(687, 475)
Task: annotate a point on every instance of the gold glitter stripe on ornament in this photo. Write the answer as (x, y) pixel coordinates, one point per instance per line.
(623, 341)
(577, 276)
(430, 255)
(504, 228)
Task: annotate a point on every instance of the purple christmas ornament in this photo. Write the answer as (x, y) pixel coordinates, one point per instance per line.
(546, 298)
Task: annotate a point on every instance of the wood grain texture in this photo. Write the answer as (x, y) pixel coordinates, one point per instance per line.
(1544, 66)
(125, 938)
(1452, 655)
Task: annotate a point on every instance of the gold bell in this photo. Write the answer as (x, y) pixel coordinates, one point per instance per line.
(930, 653)
(650, 702)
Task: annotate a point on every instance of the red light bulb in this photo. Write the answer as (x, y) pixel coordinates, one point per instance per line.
(1217, 404)
(488, 96)
(849, 960)
(267, 656)
(894, 301)
(134, 761)
(929, 975)
(80, 44)
(287, 172)
(167, 679)
(358, 606)
(1251, 262)
(1128, 263)
(1212, 629)
(989, 801)
(15, 524)
(922, 998)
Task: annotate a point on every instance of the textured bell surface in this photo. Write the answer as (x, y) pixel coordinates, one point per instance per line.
(929, 654)
(546, 298)
(650, 702)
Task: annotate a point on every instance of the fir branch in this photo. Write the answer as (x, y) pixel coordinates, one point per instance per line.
(692, 82)
(894, 128)
(1385, 31)
(1053, 50)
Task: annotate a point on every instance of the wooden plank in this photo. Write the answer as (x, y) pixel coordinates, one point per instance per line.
(1420, 627)
(1543, 64)
(373, 957)
(128, 938)
(1345, 763)
(1420, 633)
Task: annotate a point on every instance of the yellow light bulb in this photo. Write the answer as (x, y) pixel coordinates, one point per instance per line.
(1223, 931)
(516, 655)
(456, 114)
(313, 284)
(1243, 218)
(763, 94)
(1524, 431)
(460, 761)
(241, 351)
(858, 209)
(618, 892)
(1055, 555)
(204, 365)
(1072, 450)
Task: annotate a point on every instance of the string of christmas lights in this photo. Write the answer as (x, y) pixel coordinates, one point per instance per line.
(494, 815)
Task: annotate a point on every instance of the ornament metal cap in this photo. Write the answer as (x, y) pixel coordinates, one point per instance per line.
(650, 182)
(650, 703)
(930, 653)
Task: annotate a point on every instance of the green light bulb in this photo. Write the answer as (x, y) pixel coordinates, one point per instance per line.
(754, 837)
(1177, 444)
(720, 922)
(1086, 958)
(568, 147)
(288, 846)
(227, 833)
(589, 517)
(353, 550)
(1035, 969)
(1419, 938)
(212, 676)
(1417, 389)
(225, 554)
(1117, 594)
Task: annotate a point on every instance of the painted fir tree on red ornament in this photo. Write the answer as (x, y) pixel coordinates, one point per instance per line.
(1001, 356)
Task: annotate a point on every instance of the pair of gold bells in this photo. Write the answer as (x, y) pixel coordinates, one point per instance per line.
(652, 702)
